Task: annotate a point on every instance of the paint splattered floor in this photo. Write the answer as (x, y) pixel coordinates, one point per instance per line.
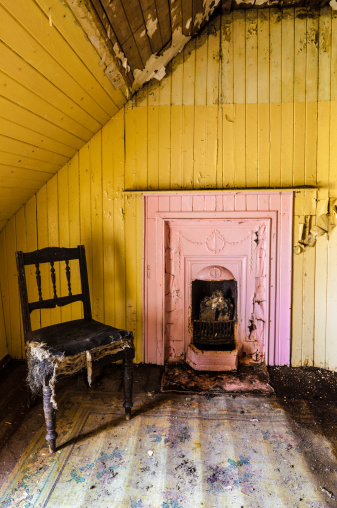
(199, 450)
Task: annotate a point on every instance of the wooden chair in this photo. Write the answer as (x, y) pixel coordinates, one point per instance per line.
(67, 348)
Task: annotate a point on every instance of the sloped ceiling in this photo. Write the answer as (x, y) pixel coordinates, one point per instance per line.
(67, 66)
(54, 95)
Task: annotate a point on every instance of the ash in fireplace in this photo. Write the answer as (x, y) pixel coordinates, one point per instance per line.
(216, 307)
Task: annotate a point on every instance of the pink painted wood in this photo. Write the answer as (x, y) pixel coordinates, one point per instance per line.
(186, 233)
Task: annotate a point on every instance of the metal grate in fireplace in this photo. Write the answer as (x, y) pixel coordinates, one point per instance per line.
(213, 333)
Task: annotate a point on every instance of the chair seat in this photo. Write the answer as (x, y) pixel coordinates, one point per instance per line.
(74, 337)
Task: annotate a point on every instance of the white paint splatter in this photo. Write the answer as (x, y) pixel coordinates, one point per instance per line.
(151, 25)
(155, 66)
(160, 73)
(188, 23)
(333, 5)
(209, 7)
(143, 33)
(102, 62)
(119, 54)
(199, 18)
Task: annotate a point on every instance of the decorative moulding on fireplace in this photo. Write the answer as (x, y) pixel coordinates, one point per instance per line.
(245, 236)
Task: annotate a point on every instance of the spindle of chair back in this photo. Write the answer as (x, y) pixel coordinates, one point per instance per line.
(51, 255)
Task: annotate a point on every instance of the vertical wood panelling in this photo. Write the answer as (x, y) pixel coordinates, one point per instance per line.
(177, 121)
(227, 98)
(31, 241)
(153, 129)
(108, 222)
(287, 70)
(240, 97)
(7, 334)
(74, 229)
(331, 348)
(53, 237)
(299, 99)
(21, 244)
(15, 345)
(200, 99)
(263, 98)
(275, 111)
(251, 98)
(311, 92)
(308, 289)
(3, 335)
(188, 115)
(63, 211)
(250, 102)
(164, 133)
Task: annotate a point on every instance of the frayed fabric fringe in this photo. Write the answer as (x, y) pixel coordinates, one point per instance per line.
(44, 365)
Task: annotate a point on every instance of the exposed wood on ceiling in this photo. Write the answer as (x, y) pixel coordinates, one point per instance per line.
(145, 34)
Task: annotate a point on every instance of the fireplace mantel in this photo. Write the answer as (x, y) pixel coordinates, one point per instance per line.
(247, 233)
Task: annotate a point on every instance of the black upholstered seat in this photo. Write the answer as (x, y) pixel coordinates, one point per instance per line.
(74, 337)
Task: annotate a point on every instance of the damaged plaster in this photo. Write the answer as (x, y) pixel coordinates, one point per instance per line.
(151, 25)
(89, 25)
(119, 54)
(155, 66)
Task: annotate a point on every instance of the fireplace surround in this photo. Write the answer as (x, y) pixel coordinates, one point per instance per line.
(238, 245)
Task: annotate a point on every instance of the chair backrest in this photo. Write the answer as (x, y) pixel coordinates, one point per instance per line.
(51, 255)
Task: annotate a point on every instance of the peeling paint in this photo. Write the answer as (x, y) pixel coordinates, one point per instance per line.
(333, 5)
(160, 73)
(119, 53)
(252, 30)
(155, 66)
(151, 25)
(199, 18)
(143, 33)
(87, 22)
(209, 6)
(227, 32)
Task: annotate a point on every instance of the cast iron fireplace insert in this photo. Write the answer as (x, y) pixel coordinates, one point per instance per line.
(214, 314)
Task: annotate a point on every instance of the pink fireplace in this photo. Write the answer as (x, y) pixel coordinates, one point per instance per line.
(217, 278)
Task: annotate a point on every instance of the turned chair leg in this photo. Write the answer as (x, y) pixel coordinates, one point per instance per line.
(128, 382)
(50, 417)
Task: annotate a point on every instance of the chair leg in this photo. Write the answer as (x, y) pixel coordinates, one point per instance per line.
(128, 382)
(50, 417)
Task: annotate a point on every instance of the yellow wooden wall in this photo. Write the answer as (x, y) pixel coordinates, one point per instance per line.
(251, 102)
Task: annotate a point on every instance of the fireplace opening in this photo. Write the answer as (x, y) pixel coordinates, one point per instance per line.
(214, 314)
